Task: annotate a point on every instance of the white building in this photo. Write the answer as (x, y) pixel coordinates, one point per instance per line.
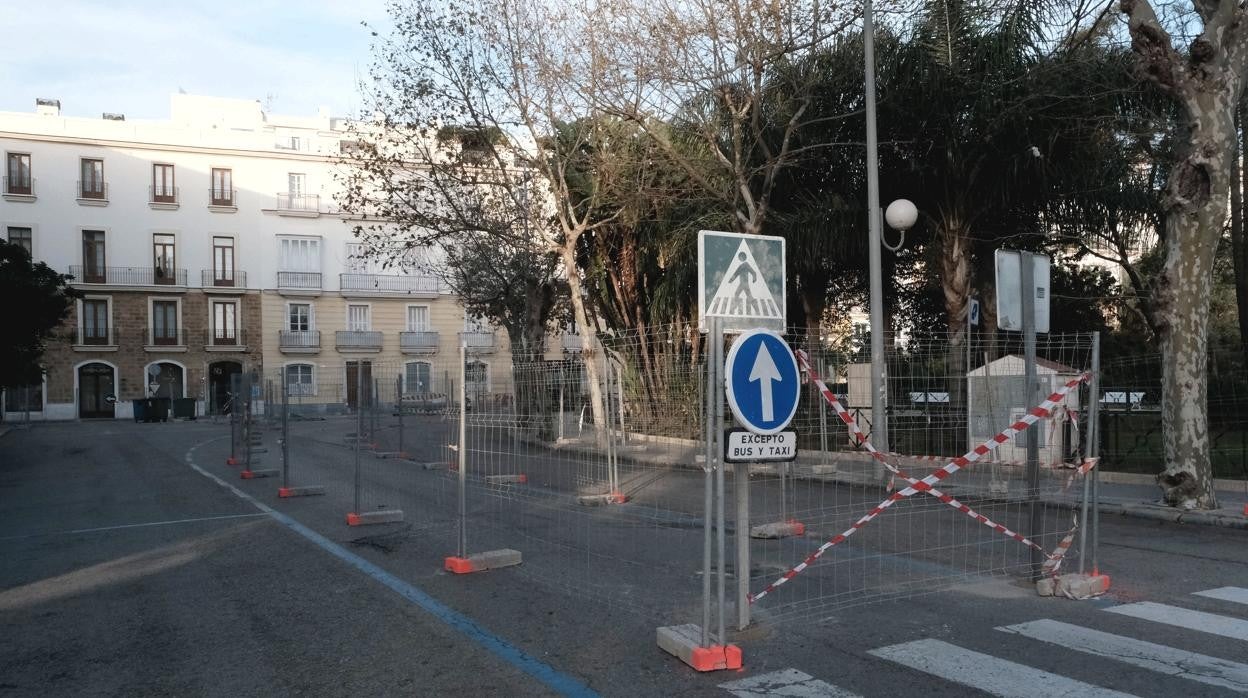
(205, 243)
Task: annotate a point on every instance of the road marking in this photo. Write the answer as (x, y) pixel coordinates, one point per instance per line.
(1232, 594)
(554, 679)
(1000, 677)
(1185, 618)
(1147, 655)
(786, 682)
(138, 525)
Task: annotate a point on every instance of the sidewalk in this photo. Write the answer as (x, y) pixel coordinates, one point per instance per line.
(1123, 494)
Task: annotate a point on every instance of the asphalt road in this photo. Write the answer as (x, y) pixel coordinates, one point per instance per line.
(127, 570)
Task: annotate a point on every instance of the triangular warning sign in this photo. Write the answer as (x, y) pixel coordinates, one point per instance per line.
(743, 292)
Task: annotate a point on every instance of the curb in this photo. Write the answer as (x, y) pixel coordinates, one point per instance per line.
(1154, 512)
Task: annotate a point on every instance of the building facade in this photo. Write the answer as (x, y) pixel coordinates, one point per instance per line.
(211, 243)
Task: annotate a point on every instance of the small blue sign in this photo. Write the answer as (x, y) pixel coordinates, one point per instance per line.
(762, 382)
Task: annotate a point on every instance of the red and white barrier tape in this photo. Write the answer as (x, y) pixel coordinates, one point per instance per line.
(1044, 409)
(1054, 561)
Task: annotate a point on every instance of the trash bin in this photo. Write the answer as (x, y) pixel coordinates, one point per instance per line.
(140, 409)
(184, 408)
(156, 409)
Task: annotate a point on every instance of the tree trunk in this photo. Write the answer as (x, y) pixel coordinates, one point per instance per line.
(955, 279)
(589, 335)
(1196, 213)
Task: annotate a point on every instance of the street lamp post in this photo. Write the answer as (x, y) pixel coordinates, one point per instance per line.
(901, 215)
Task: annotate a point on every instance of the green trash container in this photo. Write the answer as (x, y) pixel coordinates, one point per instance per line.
(156, 409)
(140, 409)
(184, 408)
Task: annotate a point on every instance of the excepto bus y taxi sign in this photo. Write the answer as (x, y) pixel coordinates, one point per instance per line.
(744, 446)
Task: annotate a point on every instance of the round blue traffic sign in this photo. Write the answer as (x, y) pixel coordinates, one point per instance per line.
(762, 382)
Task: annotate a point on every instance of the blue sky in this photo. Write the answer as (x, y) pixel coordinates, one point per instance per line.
(128, 55)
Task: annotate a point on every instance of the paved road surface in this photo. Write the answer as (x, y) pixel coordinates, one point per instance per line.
(127, 572)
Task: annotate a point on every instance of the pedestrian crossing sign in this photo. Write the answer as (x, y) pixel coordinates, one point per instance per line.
(741, 279)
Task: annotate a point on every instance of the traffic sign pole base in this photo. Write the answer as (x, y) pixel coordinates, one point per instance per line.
(682, 642)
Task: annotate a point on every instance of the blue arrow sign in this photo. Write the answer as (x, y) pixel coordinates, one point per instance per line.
(762, 382)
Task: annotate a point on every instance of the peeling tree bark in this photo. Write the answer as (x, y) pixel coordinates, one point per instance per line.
(1206, 85)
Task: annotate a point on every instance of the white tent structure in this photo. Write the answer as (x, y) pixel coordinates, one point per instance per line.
(996, 399)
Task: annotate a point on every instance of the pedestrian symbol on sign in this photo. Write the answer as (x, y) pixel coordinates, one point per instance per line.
(741, 279)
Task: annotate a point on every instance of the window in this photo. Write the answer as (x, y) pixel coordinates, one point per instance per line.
(163, 258)
(24, 397)
(22, 238)
(222, 261)
(476, 379)
(416, 378)
(17, 180)
(295, 184)
(359, 318)
(163, 190)
(358, 261)
(477, 325)
(165, 322)
(299, 378)
(224, 322)
(299, 317)
(95, 321)
(222, 193)
(418, 318)
(91, 185)
(299, 254)
(93, 269)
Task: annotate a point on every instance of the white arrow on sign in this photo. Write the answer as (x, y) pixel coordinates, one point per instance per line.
(765, 371)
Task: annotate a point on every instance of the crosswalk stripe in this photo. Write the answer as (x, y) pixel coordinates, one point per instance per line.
(1000, 677)
(1232, 594)
(1185, 618)
(785, 682)
(1147, 655)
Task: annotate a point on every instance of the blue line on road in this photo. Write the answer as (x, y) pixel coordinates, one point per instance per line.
(548, 675)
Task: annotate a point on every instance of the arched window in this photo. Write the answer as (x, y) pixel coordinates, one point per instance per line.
(477, 379)
(165, 379)
(301, 378)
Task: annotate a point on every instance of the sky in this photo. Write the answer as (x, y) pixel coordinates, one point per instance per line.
(128, 56)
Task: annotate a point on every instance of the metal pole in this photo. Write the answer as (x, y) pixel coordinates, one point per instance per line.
(823, 420)
(1088, 448)
(708, 493)
(463, 449)
(234, 385)
(562, 381)
(359, 427)
(1094, 448)
(285, 433)
(1031, 396)
(398, 406)
(879, 371)
(719, 483)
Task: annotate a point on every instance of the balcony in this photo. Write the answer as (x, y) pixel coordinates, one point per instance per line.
(423, 342)
(165, 339)
(19, 189)
(225, 339)
(127, 276)
(299, 342)
(223, 280)
(92, 193)
(395, 285)
(358, 340)
(478, 342)
(223, 200)
(163, 198)
(308, 205)
(572, 343)
(95, 339)
(299, 283)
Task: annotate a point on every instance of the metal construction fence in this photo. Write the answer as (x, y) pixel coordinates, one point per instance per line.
(594, 467)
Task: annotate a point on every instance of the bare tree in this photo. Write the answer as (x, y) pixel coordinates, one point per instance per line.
(1205, 81)
(480, 119)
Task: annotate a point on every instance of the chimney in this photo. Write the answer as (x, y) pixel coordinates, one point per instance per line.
(47, 107)
(109, 116)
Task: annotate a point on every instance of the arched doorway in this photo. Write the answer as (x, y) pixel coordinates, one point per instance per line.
(220, 373)
(96, 384)
(165, 379)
